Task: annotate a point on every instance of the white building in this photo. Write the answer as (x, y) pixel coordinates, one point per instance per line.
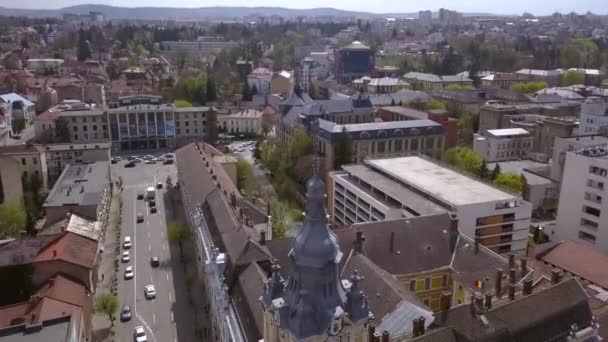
(260, 79)
(246, 122)
(561, 146)
(58, 156)
(594, 114)
(304, 74)
(582, 213)
(384, 189)
(503, 144)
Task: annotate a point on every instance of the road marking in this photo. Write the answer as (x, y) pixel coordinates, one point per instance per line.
(170, 297)
(149, 248)
(148, 234)
(167, 276)
(172, 318)
(154, 318)
(135, 273)
(162, 234)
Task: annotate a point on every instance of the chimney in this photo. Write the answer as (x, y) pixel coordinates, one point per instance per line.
(416, 327)
(524, 266)
(488, 303)
(512, 276)
(421, 328)
(263, 237)
(385, 336)
(392, 242)
(453, 231)
(511, 291)
(358, 245)
(445, 301)
(527, 290)
(555, 276)
(498, 283)
(371, 329)
(478, 301)
(511, 261)
(476, 245)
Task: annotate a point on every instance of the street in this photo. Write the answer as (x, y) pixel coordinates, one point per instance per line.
(258, 172)
(149, 238)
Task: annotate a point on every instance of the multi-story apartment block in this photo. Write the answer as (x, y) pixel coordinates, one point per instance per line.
(574, 143)
(583, 204)
(18, 162)
(58, 156)
(143, 122)
(593, 116)
(86, 125)
(393, 188)
(503, 144)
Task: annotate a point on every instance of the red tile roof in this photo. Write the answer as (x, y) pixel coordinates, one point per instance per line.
(72, 248)
(580, 260)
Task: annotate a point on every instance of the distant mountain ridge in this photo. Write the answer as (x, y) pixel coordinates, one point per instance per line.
(218, 12)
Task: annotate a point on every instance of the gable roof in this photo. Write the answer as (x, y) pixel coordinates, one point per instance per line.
(251, 286)
(72, 248)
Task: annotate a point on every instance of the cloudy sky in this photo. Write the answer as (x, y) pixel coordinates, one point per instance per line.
(377, 6)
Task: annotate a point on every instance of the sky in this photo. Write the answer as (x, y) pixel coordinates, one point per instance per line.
(538, 7)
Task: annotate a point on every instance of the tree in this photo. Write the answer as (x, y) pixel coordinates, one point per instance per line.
(459, 87)
(246, 92)
(464, 159)
(244, 177)
(178, 233)
(18, 125)
(343, 152)
(529, 87)
(573, 77)
(254, 90)
(495, 172)
(581, 53)
(84, 48)
(300, 146)
(510, 180)
(434, 105)
(525, 187)
(211, 89)
(484, 172)
(182, 103)
(107, 304)
(280, 220)
(12, 219)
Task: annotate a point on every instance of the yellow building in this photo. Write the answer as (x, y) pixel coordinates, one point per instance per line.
(16, 162)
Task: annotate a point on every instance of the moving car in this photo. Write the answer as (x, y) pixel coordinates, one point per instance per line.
(140, 195)
(159, 185)
(125, 313)
(127, 243)
(148, 157)
(150, 292)
(140, 334)
(140, 218)
(152, 203)
(150, 193)
(153, 210)
(168, 161)
(129, 272)
(130, 164)
(126, 257)
(154, 262)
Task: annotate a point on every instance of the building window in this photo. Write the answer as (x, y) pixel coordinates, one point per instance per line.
(84, 120)
(73, 120)
(75, 136)
(413, 285)
(586, 236)
(187, 123)
(187, 131)
(35, 161)
(427, 283)
(588, 223)
(591, 211)
(84, 128)
(444, 280)
(426, 302)
(75, 128)
(398, 145)
(23, 162)
(598, 171)
(94, 127)
(593, 197)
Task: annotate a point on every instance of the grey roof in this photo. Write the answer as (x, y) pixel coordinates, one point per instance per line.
(194, 109)
(24, 251)
(80, 184)
(407, 112)
(520, 167)
(376, 126)
(356, 45)
(53, 330)
(83, 112)
(69, 146)
(83, 227)
(416, 205)
(250, 289)
(422, 76)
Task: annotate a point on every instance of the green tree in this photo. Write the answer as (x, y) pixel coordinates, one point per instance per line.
(529, 87)
(510, 180)
(178, 233)
(459, 87)
(12, 219)
(525, 188)
(495, 172)
(343, 152)
(484, 172)
(573, 77)
(280, 219)
(246, 92)
(84, 48)
(464, 159)
(301, 145)
(18, 125)
(434, 105)
(211, 89)
(106, 303)
(244, 177)
(581, 53)
(182, 103)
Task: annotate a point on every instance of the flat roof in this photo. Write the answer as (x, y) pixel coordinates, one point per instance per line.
(393, 189)
(70, 147)
(82, 112)
(374, 126)
(439, 181)
(505, 132)
(80, 184)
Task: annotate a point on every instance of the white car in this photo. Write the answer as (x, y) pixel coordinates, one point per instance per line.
(150, 292)
(129, 272)
(126, 257)
(140, 334)
(127, 243)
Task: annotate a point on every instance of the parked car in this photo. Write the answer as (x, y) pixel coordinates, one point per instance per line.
(130, 164)
(140, 218)
(154, 262)
(159, 185)
(126, 257)
(129, 272)
(132, 158)
(127, 243)
(136, 160)
(140, 334)
(168, 162)
(140, 195)
(125, 314)
(150, 292)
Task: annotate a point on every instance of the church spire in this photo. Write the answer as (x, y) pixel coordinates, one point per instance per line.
(275, 286)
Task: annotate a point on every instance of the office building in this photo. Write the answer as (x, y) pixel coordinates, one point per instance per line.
(16, 163)
(144, 122)
(503, 144)
(83, 189)
(246, 122)
(379, 189)
(582, 210)
(593, 116)
(58, 156)
(354, 61)
(304, 74)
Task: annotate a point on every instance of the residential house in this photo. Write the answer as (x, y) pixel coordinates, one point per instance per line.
(504, 80)
(16, 163)
(460, 102)
(563, 145)
(551, 77)
(386, 85)
(593, 115)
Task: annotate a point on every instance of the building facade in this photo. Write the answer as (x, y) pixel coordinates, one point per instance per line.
(593, 116)
(428, 82)
(58, 156)
(354, 61)
(503, 144)
(247, 122)
(575, 143)
(16, 163)
(384, 189)
(259, 81)
(581, 214)
(283, 83)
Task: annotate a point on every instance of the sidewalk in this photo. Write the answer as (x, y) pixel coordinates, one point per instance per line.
(106, 273)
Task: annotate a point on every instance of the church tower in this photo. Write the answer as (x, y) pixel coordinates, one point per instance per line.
(314, 304)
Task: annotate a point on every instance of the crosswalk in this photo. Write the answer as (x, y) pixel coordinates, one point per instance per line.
(139, 186)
